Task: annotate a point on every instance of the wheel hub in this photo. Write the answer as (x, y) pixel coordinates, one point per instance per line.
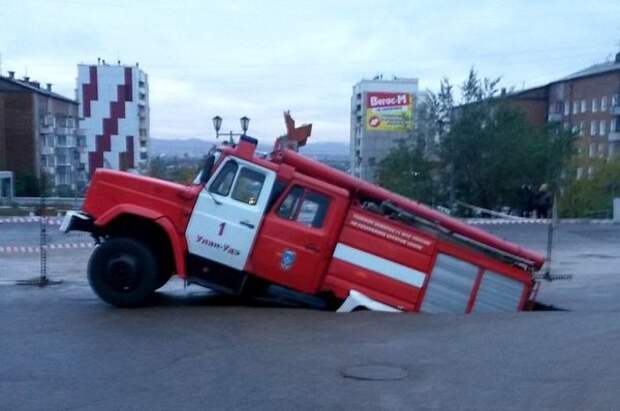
(121, 273)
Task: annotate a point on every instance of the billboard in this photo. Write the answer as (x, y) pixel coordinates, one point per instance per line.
(389, 111)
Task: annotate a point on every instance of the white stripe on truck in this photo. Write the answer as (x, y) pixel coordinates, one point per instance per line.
(380, 265)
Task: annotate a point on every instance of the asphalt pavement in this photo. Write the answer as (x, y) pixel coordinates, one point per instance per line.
(62, 348)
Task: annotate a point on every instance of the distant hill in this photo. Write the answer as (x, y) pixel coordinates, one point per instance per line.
(329, 149)
(193, 147)
(196, 147)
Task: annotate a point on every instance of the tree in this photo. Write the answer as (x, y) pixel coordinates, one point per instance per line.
(157, 168)
(495, 151)
(408, 172)
(29, 185)
(592, 197)
(484, 152)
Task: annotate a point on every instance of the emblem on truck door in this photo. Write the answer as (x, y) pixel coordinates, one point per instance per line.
(288, 259)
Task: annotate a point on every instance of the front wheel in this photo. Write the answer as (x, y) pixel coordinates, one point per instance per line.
(123, 272)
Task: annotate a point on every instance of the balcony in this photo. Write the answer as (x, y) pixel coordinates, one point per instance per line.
(47, 150)
(614, 136)
(555, 117)
(45, 129)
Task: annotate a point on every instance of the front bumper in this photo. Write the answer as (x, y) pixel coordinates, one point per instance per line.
(77, 221)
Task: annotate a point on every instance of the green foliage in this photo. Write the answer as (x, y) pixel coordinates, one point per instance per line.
(483, 152)
(407, 172)
(179, 170)
(592, 197)
(494, 151)
(29, 185)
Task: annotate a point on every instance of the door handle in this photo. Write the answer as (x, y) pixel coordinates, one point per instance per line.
(247, 224)
(312, 247)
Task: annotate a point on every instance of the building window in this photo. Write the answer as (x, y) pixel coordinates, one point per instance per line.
(566, 108)
(584, 106)
(604, 103)
(593, 128)
(614, 100)
(575, 107)
(601, 150)
(579, 173)
(602, 128)
(565, 125)
(613, 125)
(592, 151)
(590, 171)
(594, 105)
(582, 128)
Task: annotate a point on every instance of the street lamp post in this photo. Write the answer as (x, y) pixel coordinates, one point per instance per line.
(217, 125)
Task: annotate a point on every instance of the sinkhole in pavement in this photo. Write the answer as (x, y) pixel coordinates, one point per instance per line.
(375, 372)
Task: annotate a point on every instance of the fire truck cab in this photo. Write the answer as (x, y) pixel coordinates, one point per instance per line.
(290, 221)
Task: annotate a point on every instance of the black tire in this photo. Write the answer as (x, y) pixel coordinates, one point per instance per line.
(123, 272)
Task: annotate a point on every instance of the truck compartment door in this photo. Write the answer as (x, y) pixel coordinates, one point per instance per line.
(229, 211)
(298, 236)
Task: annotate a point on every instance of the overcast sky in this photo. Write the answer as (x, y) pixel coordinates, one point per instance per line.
(257, 58)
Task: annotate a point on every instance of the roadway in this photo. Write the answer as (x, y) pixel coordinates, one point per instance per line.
(62, 348)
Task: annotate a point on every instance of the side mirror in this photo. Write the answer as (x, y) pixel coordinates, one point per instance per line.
(206, 168)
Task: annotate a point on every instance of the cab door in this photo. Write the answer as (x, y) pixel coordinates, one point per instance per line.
(298, 235)
(229, 211)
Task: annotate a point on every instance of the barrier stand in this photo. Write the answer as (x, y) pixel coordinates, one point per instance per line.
(42, 280)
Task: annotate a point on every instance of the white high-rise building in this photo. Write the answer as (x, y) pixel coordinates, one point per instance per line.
(381, 117)
(114, 114)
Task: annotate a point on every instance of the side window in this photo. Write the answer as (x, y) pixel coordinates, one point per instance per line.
(248, 186)
(222, 183)
(313, 210)
(288, 207)
(305, 207)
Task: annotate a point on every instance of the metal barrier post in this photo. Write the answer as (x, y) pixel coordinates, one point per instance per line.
(42, 280)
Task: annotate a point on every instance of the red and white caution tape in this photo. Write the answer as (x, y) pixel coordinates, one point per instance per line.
(498, 221)
(14, 249)
(501, 221)
(22, 220)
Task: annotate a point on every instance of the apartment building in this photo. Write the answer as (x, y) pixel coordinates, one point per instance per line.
(588, 102)
(114, 111)
(381, 118)
(39, 134)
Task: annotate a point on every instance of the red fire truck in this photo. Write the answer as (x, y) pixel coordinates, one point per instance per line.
(286, 220)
